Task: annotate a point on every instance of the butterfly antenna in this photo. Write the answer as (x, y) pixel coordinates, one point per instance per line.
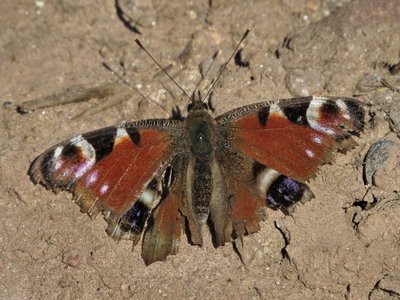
(105, 65)
(225, 65)
(162, 69)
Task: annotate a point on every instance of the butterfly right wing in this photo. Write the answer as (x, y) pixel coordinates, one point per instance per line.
(273, 148)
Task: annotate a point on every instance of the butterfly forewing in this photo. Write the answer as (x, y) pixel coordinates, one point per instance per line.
(293, 137)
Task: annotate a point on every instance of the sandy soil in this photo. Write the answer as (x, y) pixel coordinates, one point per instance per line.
(345, 243)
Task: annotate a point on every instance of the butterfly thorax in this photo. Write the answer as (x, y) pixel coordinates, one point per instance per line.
(200, 129)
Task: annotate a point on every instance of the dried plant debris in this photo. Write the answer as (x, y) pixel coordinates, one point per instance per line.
(74, 94)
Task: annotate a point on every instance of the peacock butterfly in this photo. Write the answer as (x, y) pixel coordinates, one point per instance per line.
(162, 177)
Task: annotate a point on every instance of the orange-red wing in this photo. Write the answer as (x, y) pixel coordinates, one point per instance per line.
(108, 169)
(293, 138)
(281, 145)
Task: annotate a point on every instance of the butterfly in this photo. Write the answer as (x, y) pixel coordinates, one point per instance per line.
(156, 179)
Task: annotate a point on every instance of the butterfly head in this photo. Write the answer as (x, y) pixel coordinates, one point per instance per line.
(197, 106)
(198, 103)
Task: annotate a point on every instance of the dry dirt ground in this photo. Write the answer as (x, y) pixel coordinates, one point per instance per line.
(345, 243)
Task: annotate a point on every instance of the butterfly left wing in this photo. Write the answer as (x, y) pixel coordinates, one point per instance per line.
(119, 171)
(276, 148)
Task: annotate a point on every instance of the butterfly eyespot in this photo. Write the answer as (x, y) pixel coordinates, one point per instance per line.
(284, 192)
(135, 218)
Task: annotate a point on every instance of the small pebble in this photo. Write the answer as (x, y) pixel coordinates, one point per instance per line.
(39, 4)
(377, 157)
(304, 82)
(7, 105)
(72, 259)
(369, 82)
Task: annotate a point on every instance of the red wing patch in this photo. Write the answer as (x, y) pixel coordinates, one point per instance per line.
(120, 178)
(290, 149)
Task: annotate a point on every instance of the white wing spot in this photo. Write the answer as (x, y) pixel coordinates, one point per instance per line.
(82, 169)
(344, 109)
(275, 109)
(121, 134)
(327, 130)
(317, 140)
(92, 178)
(58, 151)
(265, 179)
(309, 153)
(104, 189)
(148, 197)
(56, 157)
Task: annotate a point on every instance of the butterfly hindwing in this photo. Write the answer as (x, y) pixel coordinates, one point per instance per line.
(237, 213)
(166, 224)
